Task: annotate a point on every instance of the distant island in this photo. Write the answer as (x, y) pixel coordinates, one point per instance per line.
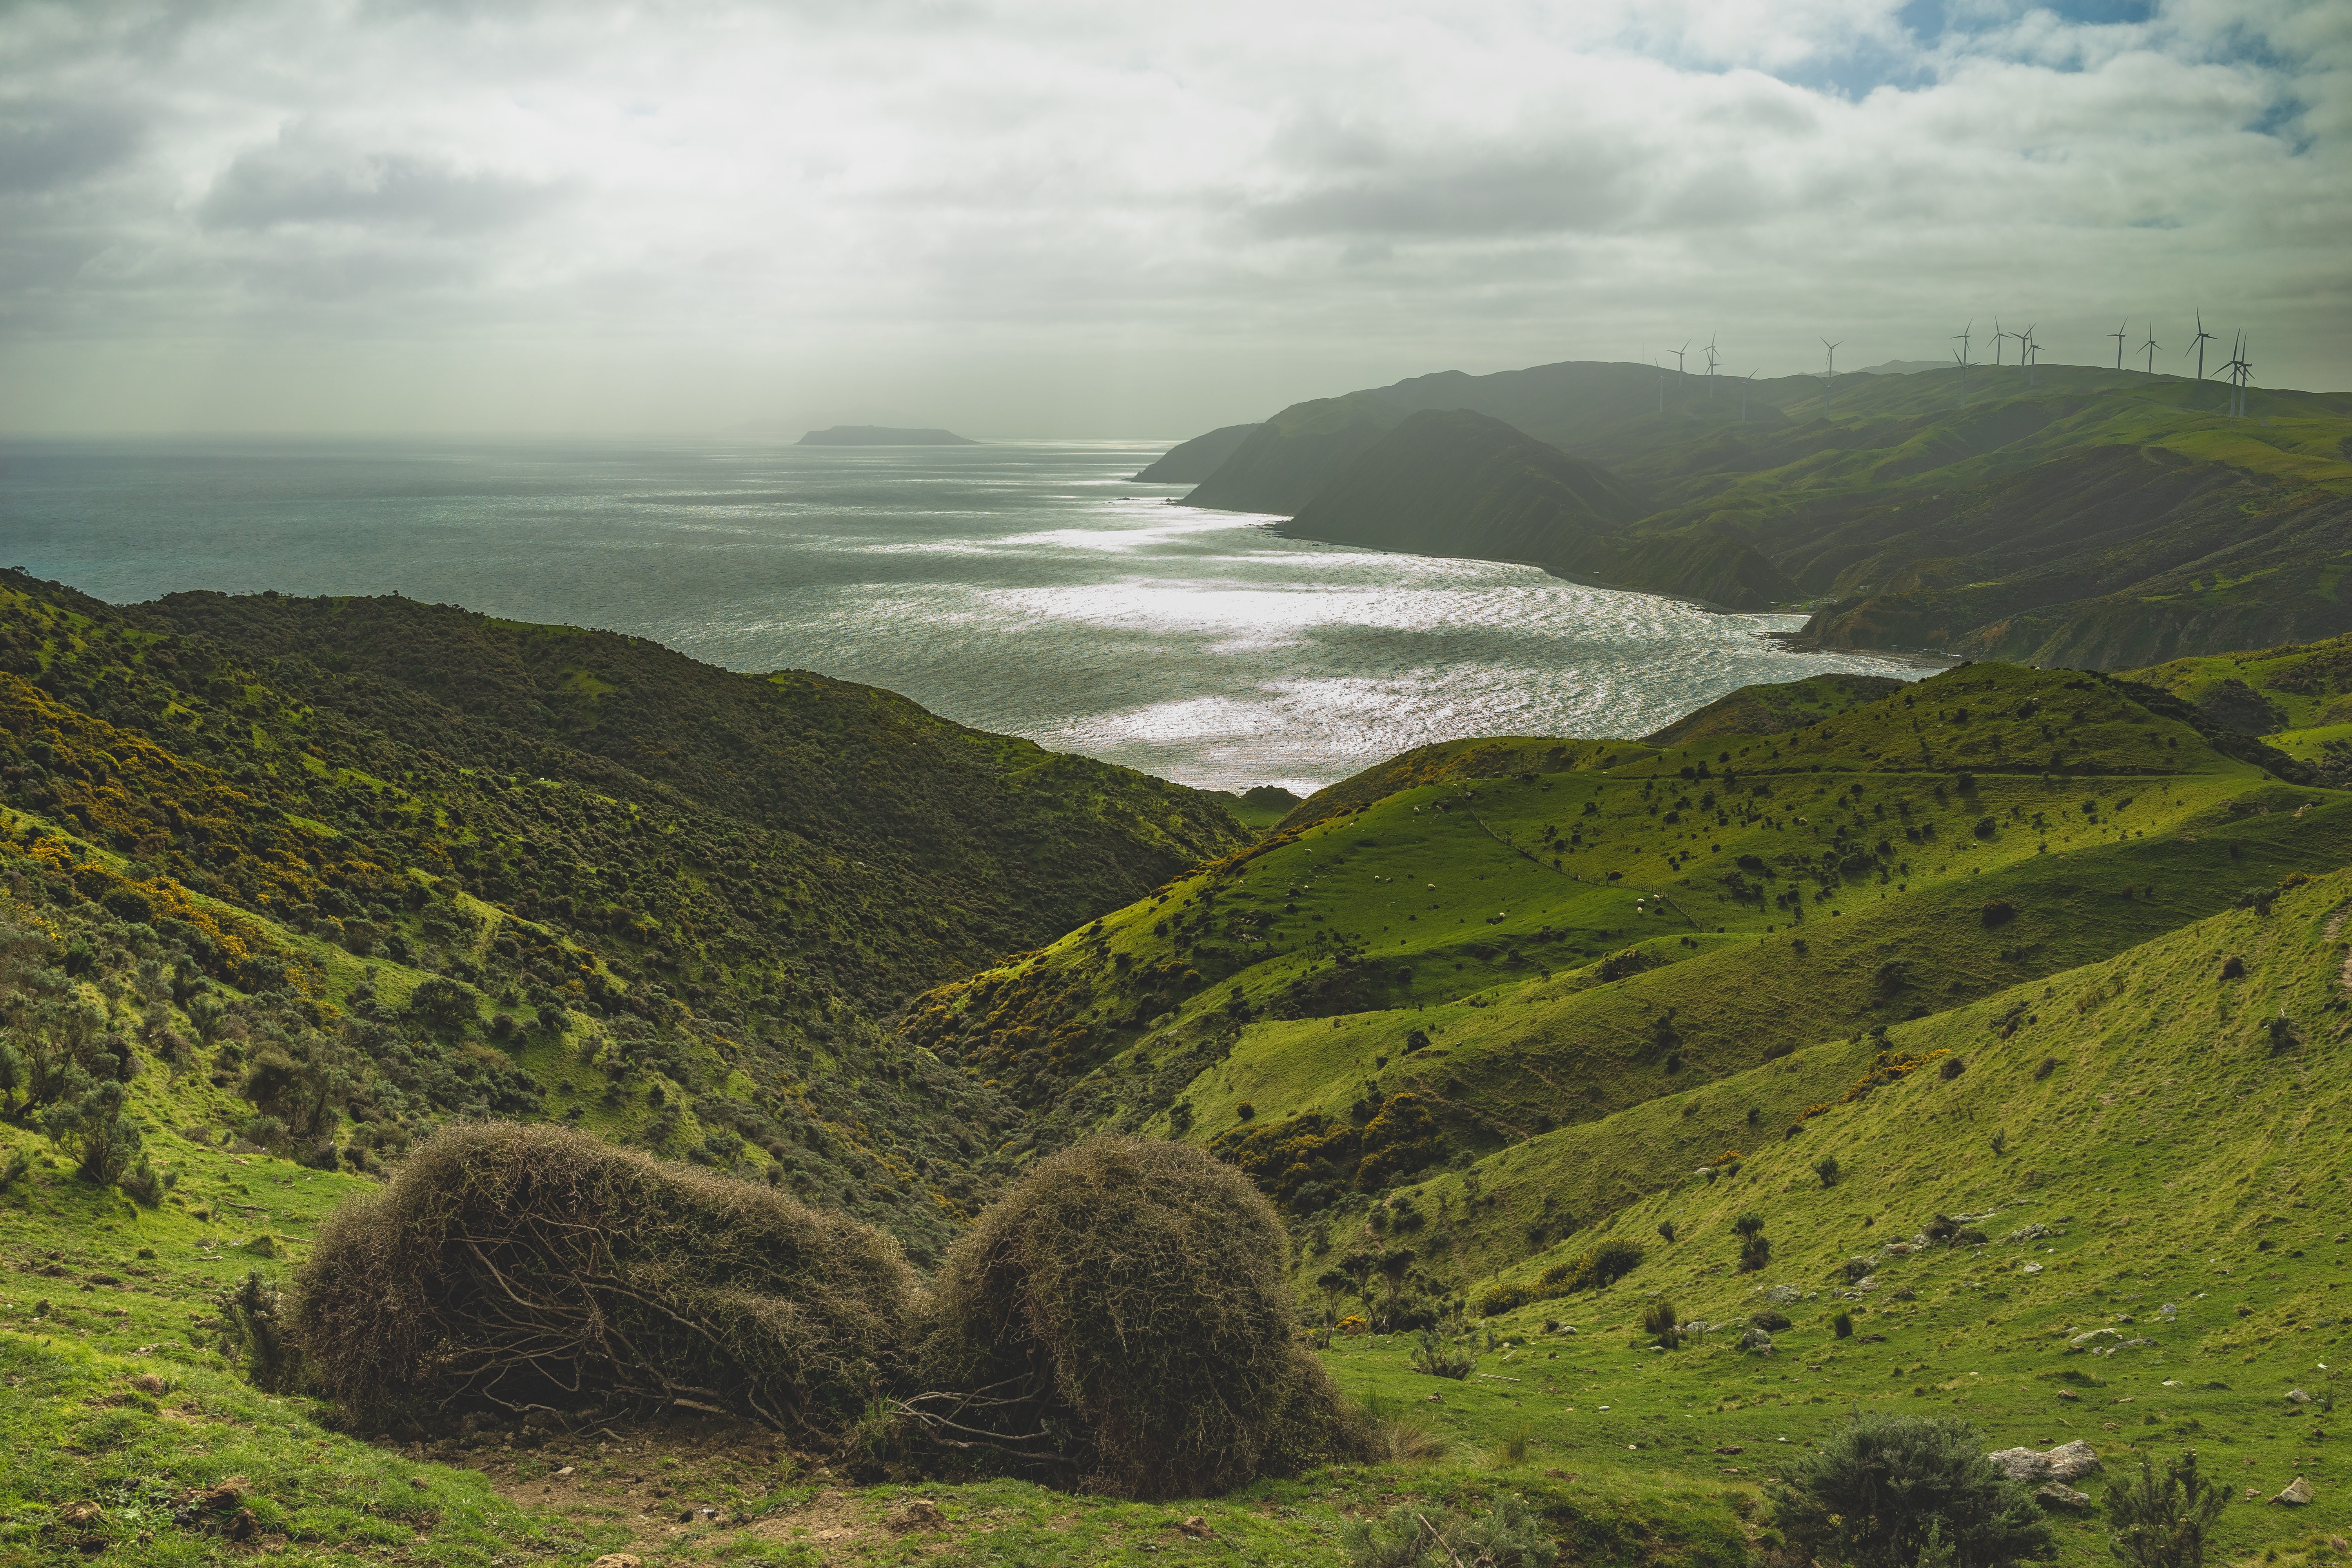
(883, 435)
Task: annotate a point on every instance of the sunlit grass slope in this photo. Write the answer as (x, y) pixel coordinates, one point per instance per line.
(2145, 1153)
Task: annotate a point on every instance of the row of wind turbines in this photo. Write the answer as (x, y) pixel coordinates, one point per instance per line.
(2238, 368)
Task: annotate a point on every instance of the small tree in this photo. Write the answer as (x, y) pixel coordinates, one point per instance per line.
(1893, 1491)
(1663, 1324)
(88, 1123)
(1843, 1325)
(1666, 1230)
(1755, 1247)
(2160, 1521)
(1826, 1168)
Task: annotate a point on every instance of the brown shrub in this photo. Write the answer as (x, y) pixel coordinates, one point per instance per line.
(1120, 1318)
(511, 1266)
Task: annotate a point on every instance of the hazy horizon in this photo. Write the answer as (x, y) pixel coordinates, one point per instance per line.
(518, 219)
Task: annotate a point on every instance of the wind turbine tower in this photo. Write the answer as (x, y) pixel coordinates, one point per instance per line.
(1744, 382)
(2151, 345)
(1679, 393)
(1829, 392)
(1712, 361)
(2242, 371)
(2028, 351)
(1962, 356)
(2119, 336)
(2199, 343)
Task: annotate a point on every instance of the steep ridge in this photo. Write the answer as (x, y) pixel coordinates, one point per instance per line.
(1967, 512)
(1287, 460)
(1451, 482)
(1190, 462)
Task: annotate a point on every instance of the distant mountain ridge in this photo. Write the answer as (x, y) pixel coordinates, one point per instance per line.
(2087, 517)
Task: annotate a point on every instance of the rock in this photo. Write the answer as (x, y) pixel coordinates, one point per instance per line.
(2093, 1336)
(2067, 1462)
(2058, 1494)
(2026, 1465)
(1197, 1528)
(564, 1472)
(2297, 1494)
(79, 1513)
(1757, 1341)
(2033, 1232)
(2068, 1393)
(2072, 1461)
(1899, 1249)
(2298, 1395)
(2030, 1268)
(618, 1559)
(1782, 1295)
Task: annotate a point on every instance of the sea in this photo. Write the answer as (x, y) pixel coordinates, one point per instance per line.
(1028, 588)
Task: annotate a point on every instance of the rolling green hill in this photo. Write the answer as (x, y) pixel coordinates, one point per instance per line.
(2093, 519)
(442, 864)
(2011, 1005)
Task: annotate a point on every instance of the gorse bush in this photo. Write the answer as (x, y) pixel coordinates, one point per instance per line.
(1435, 1358)
(1826, 1168)
(1603, 1265)
(1130, 1296)
(246, 1317)
(508, 1266)
(1508, 1535)
(1893, 1491)
(1661, 1321)
(2159, 1520)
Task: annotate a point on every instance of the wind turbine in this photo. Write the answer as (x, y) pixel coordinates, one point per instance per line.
(2242, 370)
(1962, 356)
(2199, 343)
(1678, 370)
(2027, 352)
(1743, 395)
(2119, 336)
(1997, 336)
(2151, 346)
(1829, 392)
(1711, 363)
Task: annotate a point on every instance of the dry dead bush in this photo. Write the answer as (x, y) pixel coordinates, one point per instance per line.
(515, 1266)
(1121, 1318)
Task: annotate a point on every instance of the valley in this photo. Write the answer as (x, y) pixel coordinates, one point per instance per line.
(1982, 1035)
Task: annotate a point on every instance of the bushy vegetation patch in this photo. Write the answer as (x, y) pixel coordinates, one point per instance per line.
(514, 1266)
(1121, 1317)
(1888, 1491)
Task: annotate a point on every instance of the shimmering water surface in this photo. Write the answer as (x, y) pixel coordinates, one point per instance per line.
(1028, 588)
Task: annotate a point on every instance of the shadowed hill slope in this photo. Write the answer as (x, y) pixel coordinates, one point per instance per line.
(1190, 462)
(2088, 516)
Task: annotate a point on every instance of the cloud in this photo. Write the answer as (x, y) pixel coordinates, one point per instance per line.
(299, 182)
(1131, 218)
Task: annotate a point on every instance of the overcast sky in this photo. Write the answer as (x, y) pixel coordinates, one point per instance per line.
(1095, 218)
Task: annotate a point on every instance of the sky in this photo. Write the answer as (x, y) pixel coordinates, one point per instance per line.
(1098, 218)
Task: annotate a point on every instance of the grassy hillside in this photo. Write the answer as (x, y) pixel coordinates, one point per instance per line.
(2010, 1004)
(2149, 1252)
(2092, 518)
(436, 865)
(1776, 710)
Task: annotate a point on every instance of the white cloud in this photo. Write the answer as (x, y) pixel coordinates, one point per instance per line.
(1079, 219)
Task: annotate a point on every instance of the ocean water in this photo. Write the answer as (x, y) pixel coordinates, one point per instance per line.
(1029, 587)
